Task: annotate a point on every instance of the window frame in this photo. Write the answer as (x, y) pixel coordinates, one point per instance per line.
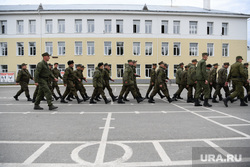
(148, 70)
(120, 49)
(33, 49)
(179, 44)
(194, 49)
(49, 26)
(61, 25)
(3, 49)
(61, 48)
(3, 27)
(108, 47)
(18, 47)
(50, 52)
(78, 49)
(78, 25)
(137, 49)
(90, 49)
(90, 70)
(148, 48)
(122, 70)
(176, 27)
(90, 25)
(148, 26)
(164, 49)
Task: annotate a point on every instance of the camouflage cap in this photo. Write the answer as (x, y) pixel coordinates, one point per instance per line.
(209, 65)
(78, 65)
(165, 65)
(239, 57)
(106, 64)
(100, 64)
(130, 60)
(181, 64)
(82, 66)
(215, 64)
(186, 66)
(194, 60)
(23, 64)
(204, 54)
(161, 63)
(55, 63)
(154, 64)
(246, 64)
(50, 64)
(70, 62)
(226, 63)
(45, 54)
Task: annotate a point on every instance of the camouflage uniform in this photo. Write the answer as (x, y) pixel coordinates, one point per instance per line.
(57, 74)
(191, 79)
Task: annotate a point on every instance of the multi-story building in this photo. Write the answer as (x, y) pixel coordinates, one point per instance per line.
(89, 34)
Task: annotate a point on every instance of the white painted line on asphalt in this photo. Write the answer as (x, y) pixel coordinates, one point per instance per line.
(137, 112)
(164, 112)
(237, 124)
(36, 154)
(104, 127)
(216, 147)
(26, 112)
(164, 157)
(219, 117)
(203, 111)
(102, 147)
(54, 113)
(131, 103)
(112, 119)
(69, 104)
(82, 112)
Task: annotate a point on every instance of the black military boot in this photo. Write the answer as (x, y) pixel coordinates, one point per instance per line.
(242, 103)
(142, 98)
(114, 98)
(37, 107)
(33, 100)
(60, 95)
(56, 98)
(169, 99)
(179, 97)
(189, 100)
(138, 99)
(206, 104)
(106, 100)
(28, 98)
(246, 98)
(79, 100)
(16, 98)
(68, 98)
(52, 107)
(226, 100)
(92, 101)
(86, 95)
(174, 98)
(162, 96)
(201, 97)
(151, 100)
(196, 102)
(214, 100)
(220, 98)
(63, 101)
(120, 101)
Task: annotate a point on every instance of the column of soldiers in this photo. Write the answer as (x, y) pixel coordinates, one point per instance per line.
(196, 76)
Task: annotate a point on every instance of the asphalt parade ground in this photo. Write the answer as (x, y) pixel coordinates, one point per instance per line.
(119, 135)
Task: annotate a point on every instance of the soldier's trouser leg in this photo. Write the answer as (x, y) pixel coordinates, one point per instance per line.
(100, 91)
(239, 91)
(218, 88)
(155, 91)
(66, 92)
(246, 86)
(199, 86)
(36, 92)
(72, 88)
(109, 90)
(26, 89)
(232, 90)
(95, 92)
(137, 90)
(129, 87)
(55, 85)
(127, 92)
(149, 89)
(226, 89)
(190, 91)
(164, 90)
(44, 91)
(51, 89)
(181, 87)
(123, 90)
(19, 92)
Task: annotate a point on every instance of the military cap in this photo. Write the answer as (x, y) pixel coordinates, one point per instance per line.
(50, 64)
(165, 65)
(78, 65)
(194, 60)
(239, 57)
(154, 64)
(134, 61)
(187, 66)
(45, 54)
(246, 64)
(161, 63)
(55, 63)
(100, 64)
(203, 54)
(82, 66)
(130, 61)
(181, 64)
(209, 65)
(70, 62)
(106, 64)
(23, 64)
(226, 63)
(215, 64)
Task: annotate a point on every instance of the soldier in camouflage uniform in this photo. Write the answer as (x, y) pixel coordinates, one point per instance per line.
(152, 82)
(23, 78)
(78, 84)
(68, 79)
(178, 80)
(208, 70)
(160, 83)
(202, 81)
(107, 78)
(57, 74)
(222, 78)
(42, 75)
(246, 83)
(238, 77)
(128, 83)
(212, 78)
(191, 80)
(98, 83)
(51, 82)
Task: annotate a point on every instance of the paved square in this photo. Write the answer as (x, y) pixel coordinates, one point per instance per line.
(131, 134)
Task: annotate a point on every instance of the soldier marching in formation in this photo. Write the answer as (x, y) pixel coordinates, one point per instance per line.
(201, 78)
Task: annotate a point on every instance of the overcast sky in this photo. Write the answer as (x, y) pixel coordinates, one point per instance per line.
(239, 6)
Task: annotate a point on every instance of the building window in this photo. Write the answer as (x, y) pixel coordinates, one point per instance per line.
(148, 48)
(136, 48)
(107, 48)
(193, 27)
(164, 48)
(49, 48)
(164, 26)
(177, 49)
(210, 28)
(20, 26)
(119, 72)
(61, 26)
(119, 26)
(176, 27)
(32, 48)
(61, 48)
(32, 70)
(3, 49)
(61, 67)
(32, 26)
(78, 25)
(119, 48)
(4, 27)
(91, 25)
(48, 26)
(148, 68)
(138, 69)
(193, 49)
(78, 48)
(175, 69)
(148, 26)
(136, 26)
(225, 50)
(91, 48)
(108, 26)
(210, 49)
(20, 49)
(4, 68)
(224, 29)
(91, 70)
